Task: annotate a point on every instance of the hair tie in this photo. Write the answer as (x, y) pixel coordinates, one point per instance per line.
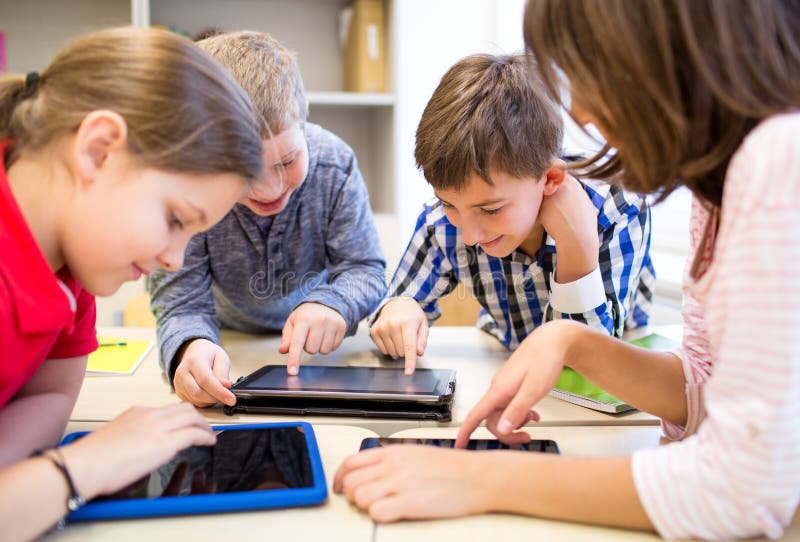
(31, 84)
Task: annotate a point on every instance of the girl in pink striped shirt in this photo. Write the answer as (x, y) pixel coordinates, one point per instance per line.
(703, 94)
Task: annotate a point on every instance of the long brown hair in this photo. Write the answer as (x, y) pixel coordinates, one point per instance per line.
(184, 111)
(676, 84)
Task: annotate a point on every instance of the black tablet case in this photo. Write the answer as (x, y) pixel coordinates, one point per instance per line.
(360, 408)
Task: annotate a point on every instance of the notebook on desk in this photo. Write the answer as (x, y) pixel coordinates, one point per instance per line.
(574, 388)
(117, 356)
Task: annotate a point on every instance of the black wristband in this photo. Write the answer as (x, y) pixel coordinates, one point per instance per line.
(75, 499)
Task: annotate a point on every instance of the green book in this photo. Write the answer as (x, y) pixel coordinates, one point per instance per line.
(574, 388)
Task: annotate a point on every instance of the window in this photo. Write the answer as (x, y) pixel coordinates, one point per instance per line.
(670, 242)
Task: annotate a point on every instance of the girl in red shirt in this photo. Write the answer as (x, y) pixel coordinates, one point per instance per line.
(128, 144)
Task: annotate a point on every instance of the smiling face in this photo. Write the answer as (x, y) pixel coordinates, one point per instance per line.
(138, 221)
(499, 217)
(285, 169)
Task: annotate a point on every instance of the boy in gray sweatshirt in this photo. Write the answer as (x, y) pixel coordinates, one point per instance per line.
(299, 254)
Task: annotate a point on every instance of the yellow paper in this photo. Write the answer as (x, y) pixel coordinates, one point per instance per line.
(117, 359)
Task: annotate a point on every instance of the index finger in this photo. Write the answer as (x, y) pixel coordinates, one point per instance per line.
(410, 347)
(286, 334)
(479, 412)
(296, 344)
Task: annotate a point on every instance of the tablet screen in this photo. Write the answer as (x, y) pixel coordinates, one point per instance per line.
(546, 446)
(241, 460)
(368, 380)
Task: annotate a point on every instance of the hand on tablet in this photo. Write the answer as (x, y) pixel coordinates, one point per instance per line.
(528, 375)
(202, 374)
(132, 445)
(401, 330)
(314, 328)
(406, 482)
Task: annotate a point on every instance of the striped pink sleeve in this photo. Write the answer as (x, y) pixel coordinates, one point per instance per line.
(738, 475)
(694, 351)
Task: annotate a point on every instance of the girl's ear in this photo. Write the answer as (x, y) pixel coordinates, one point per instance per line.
(554, 176)
(99, 134)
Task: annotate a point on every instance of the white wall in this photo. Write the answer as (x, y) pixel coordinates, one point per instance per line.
(431, 36)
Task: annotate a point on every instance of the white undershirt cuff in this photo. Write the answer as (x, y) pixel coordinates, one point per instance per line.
(579, 296)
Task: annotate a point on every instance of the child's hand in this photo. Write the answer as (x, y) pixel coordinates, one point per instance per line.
(528, 375)
(570, 218)
(401, 329)
(202, 375)
(414, 482)
(132, 445)
(314, 328)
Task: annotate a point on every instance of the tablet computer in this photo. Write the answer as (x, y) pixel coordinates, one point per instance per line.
(434, 386)
(305, 406)
(252, 466)
(362, 392)
(535, 445)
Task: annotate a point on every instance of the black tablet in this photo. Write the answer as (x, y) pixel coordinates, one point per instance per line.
(251, 466)
(351, 408)
(435, 386)
(544, 446)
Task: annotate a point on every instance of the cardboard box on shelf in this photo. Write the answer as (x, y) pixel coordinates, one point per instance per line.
(365, 47)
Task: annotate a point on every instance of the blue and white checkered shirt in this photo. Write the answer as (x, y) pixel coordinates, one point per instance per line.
(517, 291)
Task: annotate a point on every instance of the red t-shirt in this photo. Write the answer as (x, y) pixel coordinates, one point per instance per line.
(43, 315)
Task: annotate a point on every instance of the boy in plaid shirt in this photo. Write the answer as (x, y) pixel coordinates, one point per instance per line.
(531, 242)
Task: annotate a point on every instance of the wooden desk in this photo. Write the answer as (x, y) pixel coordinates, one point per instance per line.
(333, 520)
(582, 441)
(473, 354)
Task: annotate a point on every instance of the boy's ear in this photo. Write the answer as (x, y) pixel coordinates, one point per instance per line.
(99, 134)
(554, 176)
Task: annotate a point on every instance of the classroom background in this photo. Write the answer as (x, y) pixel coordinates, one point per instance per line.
(369, 86)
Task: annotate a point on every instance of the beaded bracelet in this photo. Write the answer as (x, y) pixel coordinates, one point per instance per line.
(75, 499)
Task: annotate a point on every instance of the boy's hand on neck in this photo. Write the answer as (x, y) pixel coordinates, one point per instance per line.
(569, 217)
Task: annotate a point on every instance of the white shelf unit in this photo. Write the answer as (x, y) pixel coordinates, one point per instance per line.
(353, 99)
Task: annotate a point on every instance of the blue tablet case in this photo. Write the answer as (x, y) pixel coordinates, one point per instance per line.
(214, 503)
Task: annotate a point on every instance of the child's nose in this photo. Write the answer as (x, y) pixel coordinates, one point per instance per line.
(269, 188)
(471, 233)
(271, 185)
(172, 258)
